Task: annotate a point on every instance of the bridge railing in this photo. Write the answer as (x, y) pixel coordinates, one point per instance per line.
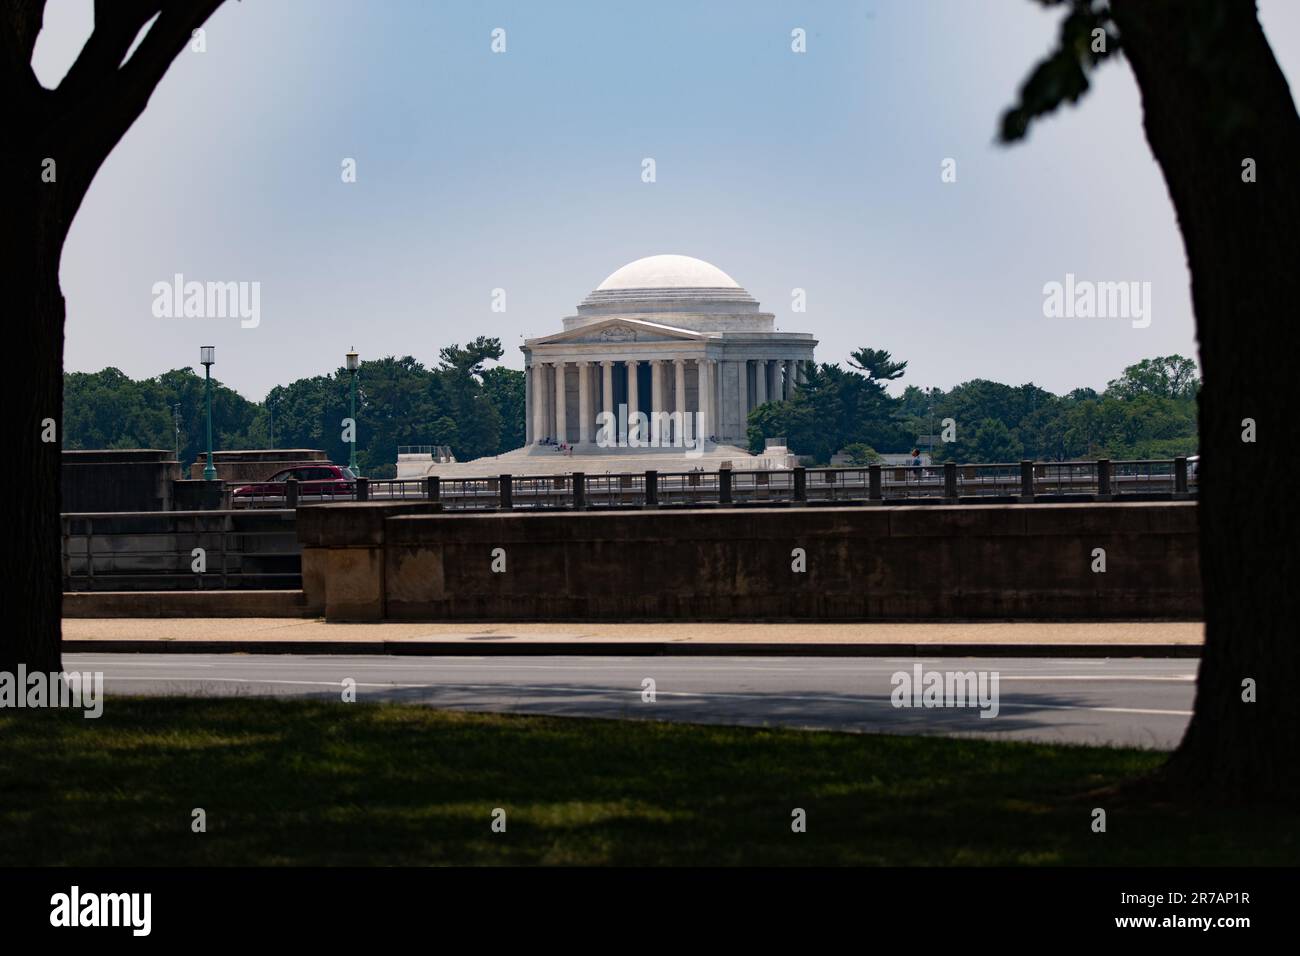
(1003, 481)
(688, 487)
(162, 550)
(257, 547)
(615, 491)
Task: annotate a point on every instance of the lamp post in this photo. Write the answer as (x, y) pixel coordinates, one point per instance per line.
(176, 424)
(354, 363)
(207, 355)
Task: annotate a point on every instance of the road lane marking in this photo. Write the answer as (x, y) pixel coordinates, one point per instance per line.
(702, 695)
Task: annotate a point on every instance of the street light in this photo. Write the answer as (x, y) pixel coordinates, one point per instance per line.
(207, 356)
(176, 423)
(353, 363)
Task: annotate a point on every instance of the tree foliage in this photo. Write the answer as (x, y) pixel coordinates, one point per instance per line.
(476, 410)
(1148, 412)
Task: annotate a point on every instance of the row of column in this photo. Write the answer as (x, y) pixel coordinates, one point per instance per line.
(774, 380)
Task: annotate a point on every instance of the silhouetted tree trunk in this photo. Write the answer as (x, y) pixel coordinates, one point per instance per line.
(53, 143)
(1213, 97)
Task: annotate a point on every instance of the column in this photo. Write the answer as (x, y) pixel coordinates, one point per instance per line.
(584, 402)
(539, 402)
(742, 368)
(607, 393)
(656, 399)
(679, 397)
(528, 404)
(704, 383)
(632, 430)
(561, 422)
(717, 396)
(760, 382)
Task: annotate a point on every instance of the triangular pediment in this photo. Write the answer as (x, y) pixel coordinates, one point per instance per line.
(618, 331)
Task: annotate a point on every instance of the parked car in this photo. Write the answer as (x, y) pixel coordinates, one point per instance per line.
(314, 481)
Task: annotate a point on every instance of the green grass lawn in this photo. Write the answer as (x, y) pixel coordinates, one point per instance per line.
(307, 782)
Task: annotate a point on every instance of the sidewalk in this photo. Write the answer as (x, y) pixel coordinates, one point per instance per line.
(291, 636)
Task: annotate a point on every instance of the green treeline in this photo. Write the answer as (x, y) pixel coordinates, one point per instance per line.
(476, 410)
(1148, 412)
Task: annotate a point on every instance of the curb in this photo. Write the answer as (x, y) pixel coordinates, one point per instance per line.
(497, 648)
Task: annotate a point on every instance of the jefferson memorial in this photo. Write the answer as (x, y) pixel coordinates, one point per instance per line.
(662, 335)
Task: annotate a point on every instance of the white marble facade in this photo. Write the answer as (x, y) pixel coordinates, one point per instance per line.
(662, 334)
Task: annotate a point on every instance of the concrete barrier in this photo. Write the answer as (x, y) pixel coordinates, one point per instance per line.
(385, 561)
(97, 604)
(343, 556)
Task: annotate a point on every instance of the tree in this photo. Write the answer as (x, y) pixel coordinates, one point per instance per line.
(1169, 376)
(861, 455)
(878, 364)
(505, 389)
(460, 374)
(1222, 125)
(54, 143)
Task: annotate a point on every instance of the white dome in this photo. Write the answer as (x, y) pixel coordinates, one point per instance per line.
(668, 272)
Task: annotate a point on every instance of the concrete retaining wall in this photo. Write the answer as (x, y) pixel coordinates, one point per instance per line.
(863, 563)
(131, 479)
(96, 604)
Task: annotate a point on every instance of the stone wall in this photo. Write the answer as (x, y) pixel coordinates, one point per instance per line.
(863, 563)
(255, 464)
(113, 479)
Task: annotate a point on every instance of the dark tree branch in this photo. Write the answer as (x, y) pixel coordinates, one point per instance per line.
(20, 23)
(117, 24)
(101, 97)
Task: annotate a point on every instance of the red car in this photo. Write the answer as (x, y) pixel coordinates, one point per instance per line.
(314, 481)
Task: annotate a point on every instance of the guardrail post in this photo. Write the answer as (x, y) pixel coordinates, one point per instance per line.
(652, 489)
(363, 489)
(950, 480)
(505, 492)
(65, 529)
(1180, 475)
(432, 488)
(579, 491)
(873, 483)
(724, 486)
(90, 554)
(800, 483)
(1026, 480)
(291, 493)
(1103, 479)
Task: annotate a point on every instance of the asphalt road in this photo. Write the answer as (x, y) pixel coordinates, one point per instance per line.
(1142, 702)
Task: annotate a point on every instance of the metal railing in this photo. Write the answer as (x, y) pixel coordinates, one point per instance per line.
(256, 546)
(162, 550)
(1023, 481)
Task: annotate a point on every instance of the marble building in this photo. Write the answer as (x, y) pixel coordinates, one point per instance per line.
(663, 334)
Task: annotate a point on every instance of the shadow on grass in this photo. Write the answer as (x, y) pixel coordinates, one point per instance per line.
(314, 782)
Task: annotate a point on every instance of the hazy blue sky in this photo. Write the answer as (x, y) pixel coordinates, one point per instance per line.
(522, 170)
